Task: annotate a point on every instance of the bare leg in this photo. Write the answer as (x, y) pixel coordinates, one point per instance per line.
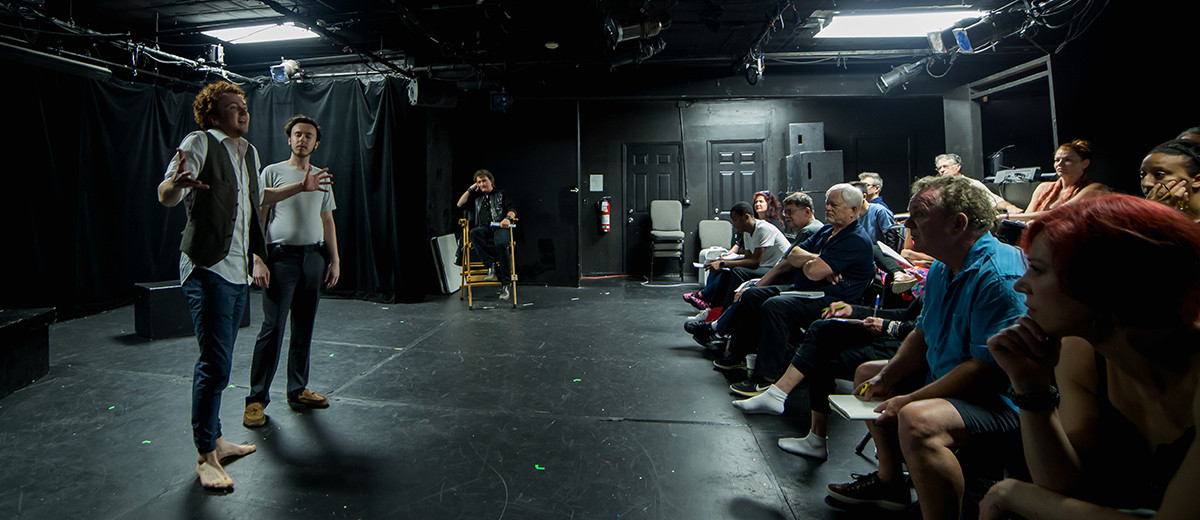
(887, 446)
(928, 429)
(820, 424)
(791, 377)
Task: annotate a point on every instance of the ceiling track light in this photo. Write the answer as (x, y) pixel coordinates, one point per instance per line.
(989, 30)
(287, 70)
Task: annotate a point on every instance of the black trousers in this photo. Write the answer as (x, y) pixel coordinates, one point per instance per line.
(764, 321)
(833, 350)
(295, 285)
(490, 246)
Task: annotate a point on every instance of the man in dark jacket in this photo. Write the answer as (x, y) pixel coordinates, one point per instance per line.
(489, 232)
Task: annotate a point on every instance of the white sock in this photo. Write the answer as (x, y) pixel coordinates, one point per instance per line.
(811, 445)
(770, 402)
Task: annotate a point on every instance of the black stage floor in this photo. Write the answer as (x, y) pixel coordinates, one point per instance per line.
(582, 403)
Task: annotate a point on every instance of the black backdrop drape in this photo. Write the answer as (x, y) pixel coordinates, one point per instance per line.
(85, 158)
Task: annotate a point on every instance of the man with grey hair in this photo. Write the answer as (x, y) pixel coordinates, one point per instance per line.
(943, 388)
(836, 262)
(951, 164)
(874, 183)
(798, 213)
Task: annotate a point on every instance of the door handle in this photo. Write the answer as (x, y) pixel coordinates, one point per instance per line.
(630, 211)
(630, 220)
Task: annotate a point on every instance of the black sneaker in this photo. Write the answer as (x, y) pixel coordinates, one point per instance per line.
(698, 328)
(750, 387)
(872, 490)
(730, 362)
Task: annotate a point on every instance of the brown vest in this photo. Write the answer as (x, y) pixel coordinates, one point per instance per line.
(211, 216)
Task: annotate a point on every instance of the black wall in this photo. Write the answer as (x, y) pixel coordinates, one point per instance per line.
(852, 125)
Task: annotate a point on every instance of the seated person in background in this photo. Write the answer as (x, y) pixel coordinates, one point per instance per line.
(874, 185)
(1127, 366)
(837, 260)
(951, 164)
(766, 207)
(798, 210)
(490, 244)
(765, 246)
(832, 349)
(875, 220)
(1071, 162)
(942, 388)
(1171, 175)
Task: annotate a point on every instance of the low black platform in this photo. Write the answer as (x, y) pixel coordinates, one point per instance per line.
(24, 347)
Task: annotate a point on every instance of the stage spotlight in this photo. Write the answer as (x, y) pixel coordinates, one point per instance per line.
(989, 30)
(754, 70)
(943, 42)
(900, 75)
(646, 29)
(285, 71)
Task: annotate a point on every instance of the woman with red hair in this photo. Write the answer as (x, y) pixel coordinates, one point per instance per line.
(1071, 162)
(1117, 435)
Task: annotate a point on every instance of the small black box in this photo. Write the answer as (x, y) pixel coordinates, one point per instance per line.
(24, 347)
(161, 311)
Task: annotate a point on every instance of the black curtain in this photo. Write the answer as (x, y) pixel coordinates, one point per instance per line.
(87, 156)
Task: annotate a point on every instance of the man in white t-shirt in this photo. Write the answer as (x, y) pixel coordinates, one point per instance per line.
(302, 255)
(765, 247)
(951, 164)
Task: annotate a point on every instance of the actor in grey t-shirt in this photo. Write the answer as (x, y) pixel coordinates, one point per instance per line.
(302, 255)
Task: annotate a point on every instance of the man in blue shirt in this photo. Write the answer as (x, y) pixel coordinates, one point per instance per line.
(940, 390)
(836, 262)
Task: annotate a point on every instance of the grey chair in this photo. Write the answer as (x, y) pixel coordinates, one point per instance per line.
(666, 232)
(712, 233)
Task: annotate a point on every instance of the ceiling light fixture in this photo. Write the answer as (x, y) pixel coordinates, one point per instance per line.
(891, 24)
(285, 71)
(990, 29)
(900, 75)
(262, 33)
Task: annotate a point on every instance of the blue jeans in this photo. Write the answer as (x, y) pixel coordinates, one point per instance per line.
(217, 308)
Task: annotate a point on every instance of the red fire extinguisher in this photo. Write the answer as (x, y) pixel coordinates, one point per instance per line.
(605, 207)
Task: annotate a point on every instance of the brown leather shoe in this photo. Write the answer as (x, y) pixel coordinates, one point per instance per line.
(310, 399)
(254, 417)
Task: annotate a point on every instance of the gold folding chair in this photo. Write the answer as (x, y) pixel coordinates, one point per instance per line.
(473, 273)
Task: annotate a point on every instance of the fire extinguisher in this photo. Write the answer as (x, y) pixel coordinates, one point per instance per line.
(605, 208)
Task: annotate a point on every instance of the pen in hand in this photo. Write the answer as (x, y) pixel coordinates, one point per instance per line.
(864, 389)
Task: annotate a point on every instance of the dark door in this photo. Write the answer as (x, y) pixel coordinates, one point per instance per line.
(735, 173)
(892, 158)
(651, 173)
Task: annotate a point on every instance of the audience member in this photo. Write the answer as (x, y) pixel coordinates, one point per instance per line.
(1192, 133)
(1071, 162)
(951, 164)
(1119, 429)
(1171, 175)
(765, 246)
(874, 184)
(837, 261)
(798, 209)
(493, 215)
(766, 207)
(942, 388)
(832, 349)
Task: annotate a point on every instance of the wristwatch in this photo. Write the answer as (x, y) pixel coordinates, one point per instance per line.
(722, 264)
(1039, 402)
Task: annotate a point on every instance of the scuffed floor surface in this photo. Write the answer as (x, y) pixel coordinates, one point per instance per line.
(583, 403)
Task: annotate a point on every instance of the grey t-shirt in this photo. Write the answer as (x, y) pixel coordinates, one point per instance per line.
(296, 220)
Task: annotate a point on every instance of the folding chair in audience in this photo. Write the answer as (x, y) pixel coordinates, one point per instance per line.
(474, 273)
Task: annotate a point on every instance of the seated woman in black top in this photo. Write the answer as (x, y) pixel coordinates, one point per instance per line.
(1125, 356)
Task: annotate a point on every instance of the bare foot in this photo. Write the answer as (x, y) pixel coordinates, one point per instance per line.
(212, 475)
(227, 450)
